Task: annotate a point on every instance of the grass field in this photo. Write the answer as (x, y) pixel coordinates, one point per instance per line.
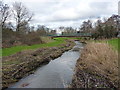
(15, 49)
(115, 43)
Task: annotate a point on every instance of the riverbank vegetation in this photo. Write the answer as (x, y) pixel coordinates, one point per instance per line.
(97, 67)
(114, 42)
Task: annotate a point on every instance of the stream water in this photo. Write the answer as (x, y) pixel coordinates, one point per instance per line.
(57, 73)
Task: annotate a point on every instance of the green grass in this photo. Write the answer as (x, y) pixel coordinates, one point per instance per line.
(0, 52)
(15, 49)
(114, 43)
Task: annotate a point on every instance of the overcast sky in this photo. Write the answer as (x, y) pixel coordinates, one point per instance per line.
(55, 13)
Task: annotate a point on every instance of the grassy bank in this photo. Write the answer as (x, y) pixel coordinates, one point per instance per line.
(114, 43)
(97, 67)
(15, 49)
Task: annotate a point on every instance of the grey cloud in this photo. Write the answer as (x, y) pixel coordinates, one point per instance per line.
(100, 5)
(54, 13)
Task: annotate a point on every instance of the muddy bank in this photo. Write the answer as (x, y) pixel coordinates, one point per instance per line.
(97, 67)
(23, 63)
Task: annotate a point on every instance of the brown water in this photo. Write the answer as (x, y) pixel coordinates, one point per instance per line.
(56, 74)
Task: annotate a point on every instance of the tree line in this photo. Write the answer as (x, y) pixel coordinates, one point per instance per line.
(101, 29)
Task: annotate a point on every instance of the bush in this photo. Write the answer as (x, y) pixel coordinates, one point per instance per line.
(11, 38)
(31, 38)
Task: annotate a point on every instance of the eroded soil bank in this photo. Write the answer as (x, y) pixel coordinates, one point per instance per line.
(97, 67)
(23, 63)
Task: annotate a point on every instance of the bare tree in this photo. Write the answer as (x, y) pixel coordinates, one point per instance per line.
(4, 13)
(21, 15)
(68, 30)
(42, 30)
(86, 26)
